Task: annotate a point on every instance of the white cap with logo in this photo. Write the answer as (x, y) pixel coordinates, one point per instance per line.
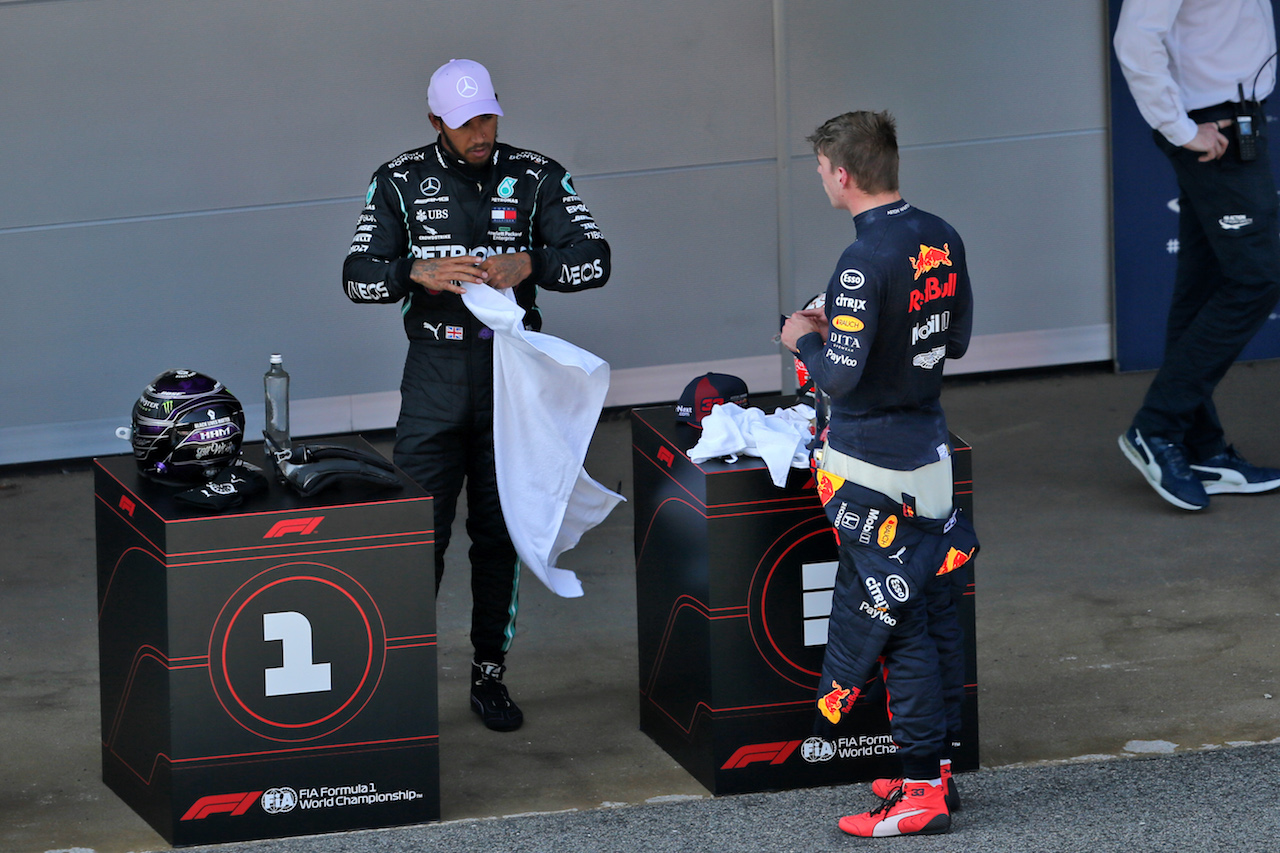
(459, 91)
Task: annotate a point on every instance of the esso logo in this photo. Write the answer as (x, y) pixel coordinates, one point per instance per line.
(852, 279)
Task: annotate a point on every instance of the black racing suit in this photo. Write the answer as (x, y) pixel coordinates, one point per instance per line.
(898, 305)
(427, 204)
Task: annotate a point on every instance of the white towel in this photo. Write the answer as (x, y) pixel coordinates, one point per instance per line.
(780, 439)
(547, 397)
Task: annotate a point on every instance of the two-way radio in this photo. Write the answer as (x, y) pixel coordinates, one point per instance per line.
(1245, 132)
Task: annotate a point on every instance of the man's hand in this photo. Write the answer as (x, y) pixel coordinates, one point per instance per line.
(505, 271)
(1209, 140)
(802, 323)
(437, 274)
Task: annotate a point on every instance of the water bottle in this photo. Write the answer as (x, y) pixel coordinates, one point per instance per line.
(275, 383)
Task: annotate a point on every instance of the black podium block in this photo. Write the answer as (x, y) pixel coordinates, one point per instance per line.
(270, 670)
(733, 585)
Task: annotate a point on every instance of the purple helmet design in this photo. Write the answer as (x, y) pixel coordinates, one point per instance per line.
(186, 427)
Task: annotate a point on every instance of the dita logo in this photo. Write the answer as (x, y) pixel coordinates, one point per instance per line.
(300, 526)
(232, 804)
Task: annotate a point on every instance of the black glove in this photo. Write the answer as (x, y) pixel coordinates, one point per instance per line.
(304, 454)
(311, 468)
(233, 484)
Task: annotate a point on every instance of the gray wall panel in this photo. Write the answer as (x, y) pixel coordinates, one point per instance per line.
(1030, 213)
(695, 265)
(1001, 122)
(949, 70)
(117, 109)
(1028, 210)
(131, 109)
(212, 293)
(171, 166)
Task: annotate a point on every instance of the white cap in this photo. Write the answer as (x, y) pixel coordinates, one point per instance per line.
(459, 91)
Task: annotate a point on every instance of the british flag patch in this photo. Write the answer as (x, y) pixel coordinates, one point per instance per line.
(453, 333)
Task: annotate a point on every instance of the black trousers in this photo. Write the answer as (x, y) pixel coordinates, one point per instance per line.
(1227, 284)
(444, 439)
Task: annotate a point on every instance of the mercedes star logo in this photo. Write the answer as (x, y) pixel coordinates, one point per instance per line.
(430, 186)
(467, 87)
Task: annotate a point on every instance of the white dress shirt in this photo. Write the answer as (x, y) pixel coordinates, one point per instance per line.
(1181, 55)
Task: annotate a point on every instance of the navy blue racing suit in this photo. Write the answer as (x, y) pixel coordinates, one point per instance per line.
(898, 305)
(427, 204)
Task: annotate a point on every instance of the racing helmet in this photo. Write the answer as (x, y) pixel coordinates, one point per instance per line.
(186, 427)
(804, 384)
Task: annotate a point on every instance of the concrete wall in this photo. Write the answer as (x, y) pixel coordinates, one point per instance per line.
(179, 181)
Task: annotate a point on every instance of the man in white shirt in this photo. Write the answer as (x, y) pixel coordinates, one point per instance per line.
(1199, 71)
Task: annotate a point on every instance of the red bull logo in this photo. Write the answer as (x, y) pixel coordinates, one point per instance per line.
(930, 259)
(954, 560)
(837, 702)
(933, 289)
(828, 485)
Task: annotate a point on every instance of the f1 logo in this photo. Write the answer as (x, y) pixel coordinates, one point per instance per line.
(127, 505)
(232, 804)
(665, 456)
(774, 753)
(300, 526)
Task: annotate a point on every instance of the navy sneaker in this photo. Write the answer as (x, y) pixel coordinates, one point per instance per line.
(490, 700)
(1229, 473)
(1165, 466)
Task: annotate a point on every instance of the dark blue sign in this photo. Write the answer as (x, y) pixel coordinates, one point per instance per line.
(1145, 208)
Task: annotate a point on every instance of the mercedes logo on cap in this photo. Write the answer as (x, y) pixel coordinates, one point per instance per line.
(467, 87)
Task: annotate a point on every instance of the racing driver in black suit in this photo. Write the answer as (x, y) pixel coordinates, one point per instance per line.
(468, 210)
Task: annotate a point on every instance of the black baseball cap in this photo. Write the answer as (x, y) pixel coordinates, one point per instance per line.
(706, 391)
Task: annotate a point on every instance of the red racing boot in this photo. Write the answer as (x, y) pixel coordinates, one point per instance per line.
(915, 808)
(882, 788)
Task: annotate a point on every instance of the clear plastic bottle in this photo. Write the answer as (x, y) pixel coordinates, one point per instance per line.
(276, 385)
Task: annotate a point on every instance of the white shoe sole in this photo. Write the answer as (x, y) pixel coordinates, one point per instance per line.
(1232, 482)
(1153, 477)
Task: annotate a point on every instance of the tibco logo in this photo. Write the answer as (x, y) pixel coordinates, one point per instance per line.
(301, 526)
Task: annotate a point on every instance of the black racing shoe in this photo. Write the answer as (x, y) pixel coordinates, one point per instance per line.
(489, 698)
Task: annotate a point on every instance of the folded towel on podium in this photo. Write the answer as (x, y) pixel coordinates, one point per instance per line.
(780, 439)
